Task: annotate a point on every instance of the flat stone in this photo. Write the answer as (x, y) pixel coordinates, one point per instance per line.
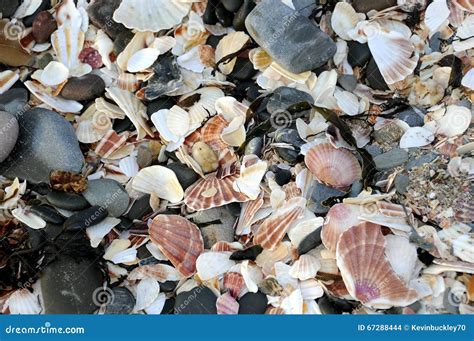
(86, 218)
(101, 15)
(304, 7)
(8, 7)
(348, 82)
(216, 224)
(46, 142)
(254, 146)
(412, 116)
(67, 201)
(243, 70)
(253, 303)
(320, 194)
(359, 54)
(364, 6)
(83, 88)
(109, 194)
(401, 183)
(48, 214)
(15, 101)
(200, 300)
(186, 176)
(290, 38)
(9, 131)
(119, 301)
(391, 159)
(284, 98)
(421, 160)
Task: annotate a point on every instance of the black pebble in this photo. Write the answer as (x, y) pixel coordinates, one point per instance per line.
(49, 214)
(209, 16)
(224, 16)
(159, 104)
(282, 176)
(232, 5)
(122, 301)
(310, 242)
(243, 70)
(253, 303)
(425, 257)
(200, 300)
(140, 208)
(67, 201)
(168, 286)
(122, 125)
(125, 224)
(374, 77)
(359, 54)
(241, 15)
(251, 253)
(186, 176)
(89, 217)
(214, 41)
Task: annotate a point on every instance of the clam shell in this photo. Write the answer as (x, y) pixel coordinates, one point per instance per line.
(252, 275)
(204, 106)
(436, 16)
(227, 305)
(157, 272)
(28, 218)
(23, 302)
(160, 181)
(402, 256)
(57, 103)
(211, 192)
(305, 267)
(366, 271)
(274, 228)
(267, 258)
(139, 41)
(179, 240)
(251, 174)
(227, 46)
(344, 18)
(416, 137)
(213, 264)
(234, 282)
(7, 79)
(467, 80)
(260, 59)
(151, 15)
(54, 73)
(334, 167)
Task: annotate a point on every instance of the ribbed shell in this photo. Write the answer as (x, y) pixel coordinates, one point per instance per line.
(212, 133)
(305, 267)
(366, 271)
(247, 213)
(340, 218)
(334, 167)
(234, 282)
(179, 240)
(467, 5)
(227, 305)
(159, 272)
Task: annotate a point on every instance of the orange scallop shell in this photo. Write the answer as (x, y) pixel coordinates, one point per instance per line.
(212, 133)
(179, 240)
(340, 218)
(467, 5)
(334, 167)
(234, 282)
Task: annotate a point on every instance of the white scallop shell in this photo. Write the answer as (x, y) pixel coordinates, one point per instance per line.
(436, 16)
(252, 275)
(29, 218)
(104, 45)
(23, 302)
(129, 166)
(7, 79)
(345, 18)
(57, 103)
(305, 267)
(53, 74)
(157, 306)
(173, 126)
(303, 229)
(127, 256)
(205, 107)
(139, 41)
(142, 60)
(311, 289)
(213, 264)
(147, 292)
(228, 45)
(251, 174)
(402, 256)
(416, 137)
(347, 101)
(467, 80)
(160, 181)
(97, 232)
(151, 15)
(27, 7)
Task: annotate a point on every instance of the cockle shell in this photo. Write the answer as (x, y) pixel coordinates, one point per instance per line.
(251, 174)
(23, 302)
(305, 267)
(344, 18)
(179, 240)
(335, 167)
(436, 16)
(160, 181)
(366, 271)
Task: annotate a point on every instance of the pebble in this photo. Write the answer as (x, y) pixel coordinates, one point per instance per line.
(364, 6)
(140, 208)
(100, 14)
(224, 17)
(48, 214)
(305, 7)
(250, 253)
(119, 300)
(209, 16)
(67, 201)
(159, 104)
(46, 142)
(168, 286)
(359, 54)
(322, 193)
(391, 159)
(421, 160)
(186, 176)
(86, 218)
(68, 286)
(167, 77)
(348, 82)
(200, 300)
(310, 242)
(242, 14)
(109, 194)
(330, 305)
(291, 39)
(254, 146)
(122, 125)
(168, 309)
(8, 7)
(144, 156)
(389, 134)
(374, 77)
(291, 137)
(401, 183)
(9, 131)
(284, 98)
(125, 224)
(43, 26)
(14, 101)
(84, 88)
(412, 116)
(282, 176)
(232, 5)
(216, 224)
(243, 70)
(253, 303)
(121, 41)
(44, 6)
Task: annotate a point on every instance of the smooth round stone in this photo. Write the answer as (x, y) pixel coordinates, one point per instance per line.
(86, 218)
(241, 15)
(8, 7)
(283, 98)
(9, 131)
(348, 82)
(121, 41)
(243, 70)
(144, 156)
(84, 88)
(331, 305)
(186, 176)
(232, 5)
(364, 6)
(48, 214)
(119, 301)
(15, 101)
(321, 193)
(101, 14)
(209, 16)
(250, 253)
(412, 117)
(67, 201)
(200, 300)
(45, 5)
(168, 286)
(401, 183)
(291, 137)
(359, 54)
(122, 125)
(140, 208)
(253, 303)
(310, 242)
(109, 194)
(213, 41)
(282, 176)
(391, 159)
(160, 104)
(254, 146)
(224, 17)
(374, 77)
(43, 26)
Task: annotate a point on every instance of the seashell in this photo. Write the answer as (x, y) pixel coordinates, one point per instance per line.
(467, 80)
(213, 264)
(179, 240)
(151, 15)
(212, 133)
(274, 228)
(311, 289)
(274, 311)
(92, 125)
(28, 218)
(163, 44)
(201, 104)
(334, 167)
(455, 121)
(234, 282)
(305, 267)
(436, 16)
(12, 194)
(228, 46)
(267, 258)
(98, 231)
(142, 60)
(211, 192)
(402, 256)
(191, 60)
(7, 79)
(139, 41)
(23, 302)
(252, 275)
(173, 125)
(157, 306)
(367, 273)
(222, 246)
(462, 247)
(54, 73)
(251, 174)
(282, 274)
(299, 78)
(205, 157)
(105, 46)
(133, 108)
(157, 272)
(67, 181)
(127, 256)
(160, 181)
(260, 59)
(110, 143)
(247, 214)
(147, 292)
(293, 303)
(57, 103)
(466, 5)
(129, 166)
(463, 40)
(227, 305)
(303, 229)
(345, 18)
(27, 8)
(416, 137)
(347, 101)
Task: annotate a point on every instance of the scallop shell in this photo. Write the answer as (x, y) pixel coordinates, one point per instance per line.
(157, 272)
(227, 305)
(305, 267)
(260, 59)
(247, 214)
(133, 108)
(402, 256)
(142, 60)
(267, 258)
(234, 282)
(227, 46)
(179, 240)
(466, 5)
(436, 16)
(110, 143)
(147, 292)
(160, 181)
(416, 137)
(57, 103)
(467, 80)
(334, 167)
(251, 174)
(311, 289)
(213, 264)
(274, 228)
(204, 105)
(345, 18)
(7, 79)
(151, 15)
(23, 302)
(211, 192)
(173, 125)
(212, 133)
(367, 273)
